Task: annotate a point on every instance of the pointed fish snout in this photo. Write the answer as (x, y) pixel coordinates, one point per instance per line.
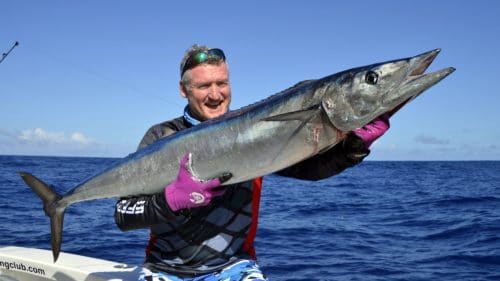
(423, 61)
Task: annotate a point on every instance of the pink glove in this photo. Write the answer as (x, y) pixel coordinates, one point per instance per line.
(189, 192)
(373, 130)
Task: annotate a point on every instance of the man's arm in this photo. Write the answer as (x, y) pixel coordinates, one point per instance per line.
(142, 211)
(145, 210)
(185, 193)
(345, 154)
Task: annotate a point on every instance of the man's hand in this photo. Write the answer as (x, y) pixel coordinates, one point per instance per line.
(373, 130)
(188, 192)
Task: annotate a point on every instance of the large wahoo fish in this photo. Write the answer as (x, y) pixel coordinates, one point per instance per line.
(270, 135)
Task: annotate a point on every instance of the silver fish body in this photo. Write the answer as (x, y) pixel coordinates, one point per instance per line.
(259, 139)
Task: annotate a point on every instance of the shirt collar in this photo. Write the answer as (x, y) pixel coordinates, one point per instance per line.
(189, 118)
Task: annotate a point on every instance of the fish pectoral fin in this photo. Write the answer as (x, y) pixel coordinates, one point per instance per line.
(303, 115)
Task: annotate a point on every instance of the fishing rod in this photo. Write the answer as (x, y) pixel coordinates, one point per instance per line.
(4, 55)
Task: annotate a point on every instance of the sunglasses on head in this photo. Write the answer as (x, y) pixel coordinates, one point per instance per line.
(203, 56)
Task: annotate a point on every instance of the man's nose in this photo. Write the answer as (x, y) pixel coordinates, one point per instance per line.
(214, 92)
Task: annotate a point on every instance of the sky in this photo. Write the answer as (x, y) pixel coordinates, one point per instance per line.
(90, 77)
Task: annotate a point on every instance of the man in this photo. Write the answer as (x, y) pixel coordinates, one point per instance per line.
(201, 230)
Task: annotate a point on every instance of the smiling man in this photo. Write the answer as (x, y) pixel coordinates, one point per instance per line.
(200, 229)
(206, 86)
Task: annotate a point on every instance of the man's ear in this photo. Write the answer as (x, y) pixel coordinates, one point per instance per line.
(182, 89)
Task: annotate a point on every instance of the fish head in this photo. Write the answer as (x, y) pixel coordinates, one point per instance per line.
(355, 97)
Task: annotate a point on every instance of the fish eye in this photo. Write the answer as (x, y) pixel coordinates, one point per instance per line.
(371, 78)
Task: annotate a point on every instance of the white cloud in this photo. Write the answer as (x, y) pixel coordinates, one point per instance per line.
(39, 135)
(39, 141)
(80, 138)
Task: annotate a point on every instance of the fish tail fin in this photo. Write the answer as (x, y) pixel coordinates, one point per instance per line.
(53, 209)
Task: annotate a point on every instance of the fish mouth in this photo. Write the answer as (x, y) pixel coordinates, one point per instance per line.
(417, 81)
(422, 62)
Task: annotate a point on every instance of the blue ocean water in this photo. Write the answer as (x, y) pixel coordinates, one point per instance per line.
(377, 221)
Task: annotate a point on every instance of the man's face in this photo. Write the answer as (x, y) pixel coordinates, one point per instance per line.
(208, 90)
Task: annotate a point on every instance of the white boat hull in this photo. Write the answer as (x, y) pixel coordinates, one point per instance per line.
(30, 264)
